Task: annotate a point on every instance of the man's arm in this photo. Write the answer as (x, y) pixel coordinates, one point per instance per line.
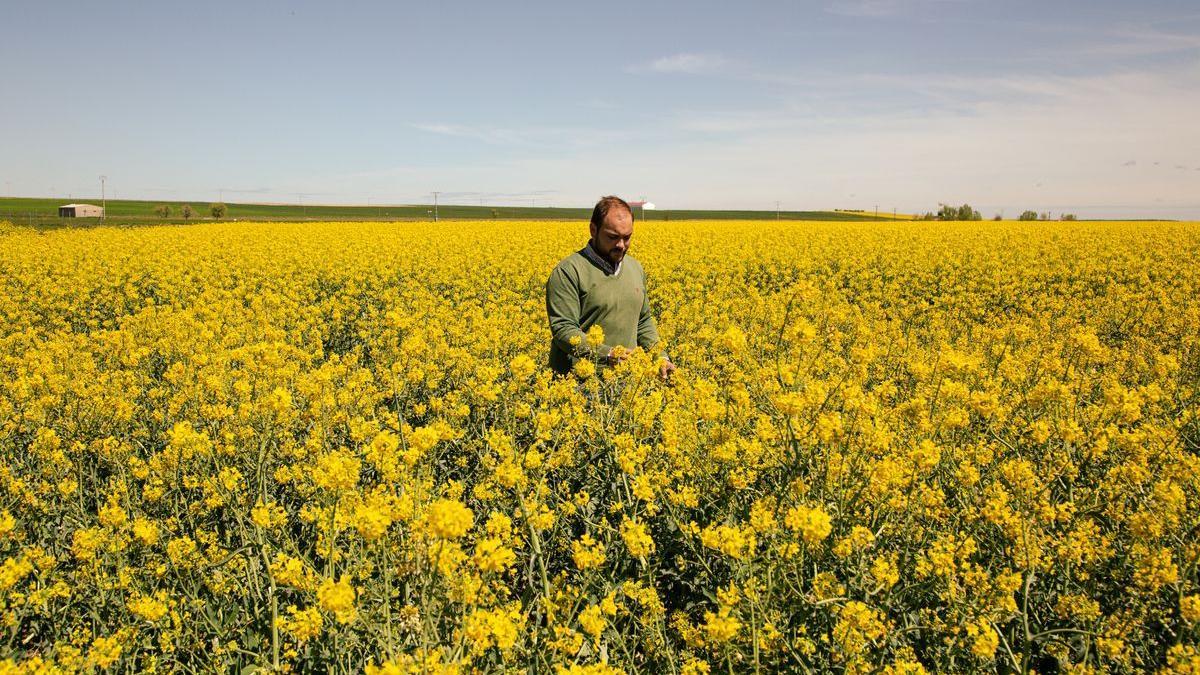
(562, 307)
(648, 335)
(647, 331)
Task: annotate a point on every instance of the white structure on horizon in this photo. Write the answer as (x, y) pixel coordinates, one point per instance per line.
(80, 211)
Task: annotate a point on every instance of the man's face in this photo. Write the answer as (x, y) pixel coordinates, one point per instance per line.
(611, 240)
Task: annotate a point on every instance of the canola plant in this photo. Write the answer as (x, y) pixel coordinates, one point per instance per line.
(895, 447)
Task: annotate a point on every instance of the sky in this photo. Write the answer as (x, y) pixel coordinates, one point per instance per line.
(1088, 107)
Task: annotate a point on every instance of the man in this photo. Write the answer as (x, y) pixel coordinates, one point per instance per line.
(601, 285)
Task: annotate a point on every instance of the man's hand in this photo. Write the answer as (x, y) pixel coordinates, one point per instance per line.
(665, 368)
(616, 355)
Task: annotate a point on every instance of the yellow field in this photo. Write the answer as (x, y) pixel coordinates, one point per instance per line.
(888, 447)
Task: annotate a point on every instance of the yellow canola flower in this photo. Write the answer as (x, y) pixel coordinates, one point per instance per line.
(984, 639)
(735, 542)
(149, 608)
(338, 597)
(499, 628)
(491, 555)
(146, 531)
(592, 621)
(301, 624)
(637, 538)
(13, 571)
(1189, 608)
(449, 519)
(372, 517)
(588, 669)
(105, 651)
(337, 471)
(587, 552)
(584, 369)
(721, 627)
(812, 523)
(268, 515)
(86, 543)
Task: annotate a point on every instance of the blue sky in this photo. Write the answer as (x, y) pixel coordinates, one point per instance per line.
(1085, 107)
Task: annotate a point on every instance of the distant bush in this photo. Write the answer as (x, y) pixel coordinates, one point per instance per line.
(1068, 216)
(1028, 215)
(964, 212)
(162, 211)
(218, 210)
(186, 211)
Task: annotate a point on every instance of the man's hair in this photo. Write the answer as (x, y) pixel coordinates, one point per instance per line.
(605, 205)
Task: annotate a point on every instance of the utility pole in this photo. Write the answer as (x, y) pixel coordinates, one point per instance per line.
(435, 205)
(777, 209)
(876, 210)
(103, 200)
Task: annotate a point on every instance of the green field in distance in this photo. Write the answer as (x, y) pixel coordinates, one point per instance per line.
(44, 212)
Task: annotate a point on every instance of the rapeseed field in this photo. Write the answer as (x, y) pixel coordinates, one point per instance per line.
(895, 447)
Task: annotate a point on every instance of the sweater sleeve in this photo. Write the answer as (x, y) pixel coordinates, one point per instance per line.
(647, 330)
(564, 310)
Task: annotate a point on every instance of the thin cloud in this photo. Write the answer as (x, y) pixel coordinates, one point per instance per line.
(260, 190)
(689, 63)
(489, 135)
(1141, 41)
(558, 138)
(878, 8)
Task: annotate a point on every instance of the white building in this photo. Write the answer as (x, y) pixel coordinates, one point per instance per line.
(80, 211)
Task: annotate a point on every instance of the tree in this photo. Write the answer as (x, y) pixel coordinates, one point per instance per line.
(186, 211)
(1069, 216)
(1028, 215)
(495, 214)
(998, 217)
(162, 211)
(218, 210)
(964, 212)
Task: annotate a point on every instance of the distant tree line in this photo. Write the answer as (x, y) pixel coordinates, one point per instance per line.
(965, 212)
(218, 211)
(1034, 215)
(949, 212)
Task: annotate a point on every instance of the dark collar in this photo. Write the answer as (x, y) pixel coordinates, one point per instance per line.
(596, 259)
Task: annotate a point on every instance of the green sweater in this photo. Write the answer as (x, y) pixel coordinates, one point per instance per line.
(580, 294)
